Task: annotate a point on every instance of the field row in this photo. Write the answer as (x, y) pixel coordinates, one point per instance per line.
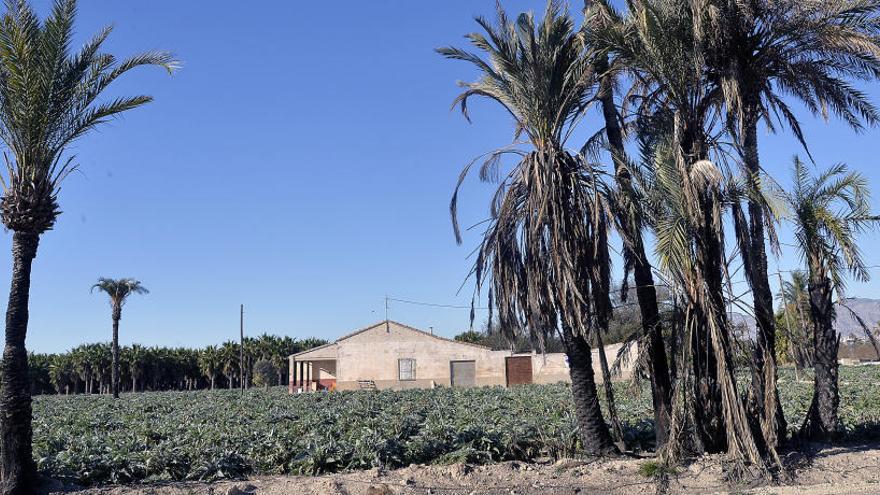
(220, 434)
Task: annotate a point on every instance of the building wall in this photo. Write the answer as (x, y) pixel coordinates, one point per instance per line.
(553, 367)
(550, 368)
(374, 353)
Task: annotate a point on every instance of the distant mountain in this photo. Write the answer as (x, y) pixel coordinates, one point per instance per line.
(867, 309)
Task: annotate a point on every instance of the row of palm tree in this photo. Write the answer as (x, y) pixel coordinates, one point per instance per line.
(680, 91)
(88, 368)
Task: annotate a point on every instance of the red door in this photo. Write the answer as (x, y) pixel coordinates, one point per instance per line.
(519, 370)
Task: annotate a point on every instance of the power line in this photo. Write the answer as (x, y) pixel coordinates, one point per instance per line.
(453, 306)
(484, 308)
(434, 305)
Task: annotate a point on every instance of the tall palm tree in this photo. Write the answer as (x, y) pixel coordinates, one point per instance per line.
(676, 110)
(765, 50)
(600, 15)
(48, 99)
(118, 290)
(536, 254)
(829, 210)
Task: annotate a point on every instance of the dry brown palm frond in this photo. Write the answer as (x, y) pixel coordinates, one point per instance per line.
(543, 254)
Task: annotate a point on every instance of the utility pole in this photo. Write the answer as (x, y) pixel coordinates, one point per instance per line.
(241, 350)
(387, 326)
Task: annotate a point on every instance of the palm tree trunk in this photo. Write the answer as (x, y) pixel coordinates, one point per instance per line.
(616, 429)
(709, 411)
(766, 392)
(117, 314)
(646, 293)
(822, 422)
(600, 280)
(17, 468)
(591, 426)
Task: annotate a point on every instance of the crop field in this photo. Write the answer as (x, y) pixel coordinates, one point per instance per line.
(220, 434)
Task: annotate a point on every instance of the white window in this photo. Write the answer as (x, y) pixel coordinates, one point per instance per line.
(406, 369)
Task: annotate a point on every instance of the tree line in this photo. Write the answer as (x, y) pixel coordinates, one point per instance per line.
(673, 97)
(87, 369)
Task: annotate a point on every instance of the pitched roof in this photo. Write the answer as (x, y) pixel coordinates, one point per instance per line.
(383, 322)
(313, 349)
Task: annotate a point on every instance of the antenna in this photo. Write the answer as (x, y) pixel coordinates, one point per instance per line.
(387, 326)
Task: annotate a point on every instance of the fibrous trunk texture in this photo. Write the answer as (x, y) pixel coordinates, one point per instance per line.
(764, 387)
(616, 428)
(592, 428)
(822, 422)
(17, 468)
(646, 293)
(709, 411)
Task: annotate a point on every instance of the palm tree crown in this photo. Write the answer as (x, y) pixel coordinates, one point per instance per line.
(828, 212)
(119, 289)
(49, 98)
(765, 49)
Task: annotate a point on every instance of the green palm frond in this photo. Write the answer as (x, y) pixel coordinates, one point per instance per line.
(119, 289)
(49, 97)
(829, 210)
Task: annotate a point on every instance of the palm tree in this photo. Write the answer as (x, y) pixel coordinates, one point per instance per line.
(138, 359)
(100, 364)
(118, 290)
(82, 363)
(676, 109)
(230, 362)
(62, 373)
(765, 50)
(283, 348)
(536, 254)
(794, 295)
(828, 211)
(600, 15)
(210, 363)
(48, 99)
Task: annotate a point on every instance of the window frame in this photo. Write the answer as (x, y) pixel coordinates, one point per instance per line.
(400, 376)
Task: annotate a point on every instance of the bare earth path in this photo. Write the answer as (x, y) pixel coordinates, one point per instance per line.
(836, 470)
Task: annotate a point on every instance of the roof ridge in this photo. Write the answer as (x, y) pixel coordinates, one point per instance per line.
(403, 325)
(437, 336)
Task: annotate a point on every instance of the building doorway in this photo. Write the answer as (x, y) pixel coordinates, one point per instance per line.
(518, 370)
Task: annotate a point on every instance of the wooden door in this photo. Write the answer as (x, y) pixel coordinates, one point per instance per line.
(519, 370)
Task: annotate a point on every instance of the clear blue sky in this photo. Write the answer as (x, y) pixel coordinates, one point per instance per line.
(300, 163)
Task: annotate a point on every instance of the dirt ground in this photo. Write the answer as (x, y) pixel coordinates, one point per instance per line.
(853, 469)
